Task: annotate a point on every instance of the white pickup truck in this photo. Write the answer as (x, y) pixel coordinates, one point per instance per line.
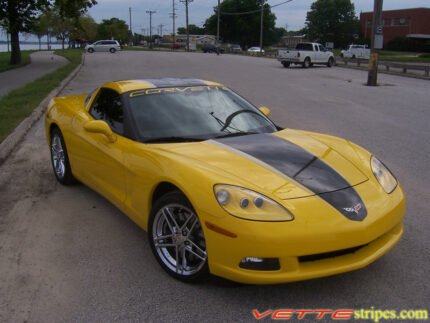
(306, 54)
(356, 51)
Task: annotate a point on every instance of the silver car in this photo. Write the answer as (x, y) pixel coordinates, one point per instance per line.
(103, 46)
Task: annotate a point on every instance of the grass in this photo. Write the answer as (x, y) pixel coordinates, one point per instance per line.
(5, 57)
(20, 103)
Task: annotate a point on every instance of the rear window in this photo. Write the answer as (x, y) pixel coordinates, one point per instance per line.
(304, 47)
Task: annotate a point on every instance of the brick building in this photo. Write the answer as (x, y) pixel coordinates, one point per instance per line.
(412, 23)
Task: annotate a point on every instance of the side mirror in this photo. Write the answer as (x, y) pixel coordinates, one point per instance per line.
(101, 127)
(265, 110)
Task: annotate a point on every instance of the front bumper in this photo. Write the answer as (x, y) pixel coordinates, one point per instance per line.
(313, 245)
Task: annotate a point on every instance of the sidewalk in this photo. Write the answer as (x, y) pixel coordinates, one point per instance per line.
(41, 63)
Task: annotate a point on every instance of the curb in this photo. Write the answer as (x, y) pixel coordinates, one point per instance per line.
(17, 135)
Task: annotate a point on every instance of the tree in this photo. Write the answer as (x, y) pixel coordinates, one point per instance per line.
(332, 21)
(193, 29)
(19, 16)
(243, 29)
(113, 28)
(86, 29)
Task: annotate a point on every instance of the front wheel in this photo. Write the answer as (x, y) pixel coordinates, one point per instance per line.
(330, 62)
(112, 50)
(90, 50)
(176, 238)
(286, 64)
(60, 159)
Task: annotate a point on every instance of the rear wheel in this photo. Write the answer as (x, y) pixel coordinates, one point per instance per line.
(353, 57)
(176, 238)
(112, 50)
(307, 62)
(330, 62)
(60, 159)
(286, 64)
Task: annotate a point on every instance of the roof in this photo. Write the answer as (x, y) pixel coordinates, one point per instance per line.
(133, 85)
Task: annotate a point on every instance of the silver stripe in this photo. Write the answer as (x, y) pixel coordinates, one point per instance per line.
(261, 163)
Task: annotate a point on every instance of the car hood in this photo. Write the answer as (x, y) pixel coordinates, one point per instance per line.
(289, 164)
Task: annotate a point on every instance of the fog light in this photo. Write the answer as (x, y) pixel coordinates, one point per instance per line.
(254, 263)
(244, 202)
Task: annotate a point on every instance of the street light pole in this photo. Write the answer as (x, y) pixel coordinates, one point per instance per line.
(376, 43)
(130, 41)
(218, 22)
(150, 26)
(261, 25)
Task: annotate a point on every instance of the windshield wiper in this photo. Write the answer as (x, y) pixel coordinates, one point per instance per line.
(236, 134)
(173, 139)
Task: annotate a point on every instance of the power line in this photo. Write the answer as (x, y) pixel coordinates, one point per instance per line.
(252, 11)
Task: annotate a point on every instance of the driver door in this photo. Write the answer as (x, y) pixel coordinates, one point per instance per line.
(101, 161)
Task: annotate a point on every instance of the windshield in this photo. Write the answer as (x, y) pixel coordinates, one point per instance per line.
(194, 113)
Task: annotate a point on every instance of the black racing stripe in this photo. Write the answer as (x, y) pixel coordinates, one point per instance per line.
(304, 168)
(175, 82)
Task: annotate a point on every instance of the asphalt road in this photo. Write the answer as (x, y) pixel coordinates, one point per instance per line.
(66, 254)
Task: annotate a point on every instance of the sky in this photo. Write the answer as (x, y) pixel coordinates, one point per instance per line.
(291, 15)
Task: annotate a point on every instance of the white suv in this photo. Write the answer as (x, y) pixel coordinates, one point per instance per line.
(103, 46)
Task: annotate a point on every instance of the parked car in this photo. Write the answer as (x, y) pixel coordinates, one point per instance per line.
(235, 48)
(255, 49)
(306, 54)
(211, 48)
(219, 187)
(103, 46)
(356, 51)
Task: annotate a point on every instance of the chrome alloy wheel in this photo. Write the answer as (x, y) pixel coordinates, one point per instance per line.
(178, 239)
(57, 155)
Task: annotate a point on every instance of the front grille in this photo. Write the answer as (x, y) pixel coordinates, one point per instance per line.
(331, 254)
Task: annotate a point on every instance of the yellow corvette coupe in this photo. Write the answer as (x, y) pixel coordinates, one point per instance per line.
(220, 188)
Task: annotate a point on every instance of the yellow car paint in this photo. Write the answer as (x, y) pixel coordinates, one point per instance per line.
(127, 173)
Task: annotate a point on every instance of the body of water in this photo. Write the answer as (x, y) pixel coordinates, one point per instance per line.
(3, 47)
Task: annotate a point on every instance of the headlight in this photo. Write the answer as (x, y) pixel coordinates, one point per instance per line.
(250, 205)
(383, 175)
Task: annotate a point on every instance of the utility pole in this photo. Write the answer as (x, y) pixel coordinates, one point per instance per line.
(261, 26)
(161, 29)
(376, 43)
(186, 2)
(218, 22)
(173, 15)
(131, 32)
(150, 26)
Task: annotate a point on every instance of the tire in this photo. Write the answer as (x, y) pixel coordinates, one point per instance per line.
(330, 62)
(112, 50)
(341, 55)
(286, 64)
(174, 219)
(90, 50)
(353, 57)
(60, 159)
(307, 63)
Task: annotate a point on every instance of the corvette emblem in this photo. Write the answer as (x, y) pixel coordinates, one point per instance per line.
(354, 209)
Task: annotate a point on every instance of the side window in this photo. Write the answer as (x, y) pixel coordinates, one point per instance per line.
(108, 107)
